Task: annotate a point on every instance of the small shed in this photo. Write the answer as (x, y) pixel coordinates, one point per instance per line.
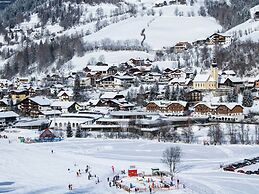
(132, 171)
(47, 134)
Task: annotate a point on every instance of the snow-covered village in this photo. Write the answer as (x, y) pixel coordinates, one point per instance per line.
(129, 96)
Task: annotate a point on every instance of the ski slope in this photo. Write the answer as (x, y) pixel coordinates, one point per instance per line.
(161, 31)
(33, 169)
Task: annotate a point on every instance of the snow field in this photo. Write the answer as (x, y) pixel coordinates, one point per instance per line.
(33, 168)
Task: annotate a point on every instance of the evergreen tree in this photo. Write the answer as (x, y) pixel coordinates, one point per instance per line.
(156, 87)
(76, 89)
(69, 130)
(129, 96)
(141, 90)
(182, 94)
(136, 82)
(247, 99)
(232, 96)
(152, 93)
(173, 94)
(78, 132)
(140, 96)
(167, 92)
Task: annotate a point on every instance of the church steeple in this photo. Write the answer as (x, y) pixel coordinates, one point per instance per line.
(214, 71)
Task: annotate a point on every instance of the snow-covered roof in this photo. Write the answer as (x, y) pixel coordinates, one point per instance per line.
(254, 10)
(8, 114)
(5, 101)
(69, 93)
(110, 95)
(165, 103)
(71, 119)
(230, 105)
(231, 78)
(95, 126)
(82, 115)
(178, 80)
(124, 77)
(128, 113)
(229, 72)
(202, 77)
(41, 100)
(30, 123)
(97, 68)
(51, 112)
(92, 102)
(62, 104)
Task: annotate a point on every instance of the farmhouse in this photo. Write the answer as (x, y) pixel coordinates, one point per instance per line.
(33, 106)
(181, 46)
(220, 111)
(65, 95)
(218, 38)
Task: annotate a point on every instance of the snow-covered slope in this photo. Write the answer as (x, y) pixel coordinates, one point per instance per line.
(164, 27)
(32, 168)
(248, 30)
(161, 31)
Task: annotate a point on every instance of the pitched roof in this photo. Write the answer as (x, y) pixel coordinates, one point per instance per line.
(110, 95)
(165, 103)
(95, 68)
(8, 114)
(61, 93)
(41, 100)
(202, 77)
(62, 104)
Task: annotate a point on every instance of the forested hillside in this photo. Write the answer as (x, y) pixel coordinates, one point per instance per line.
(230, 14)
(42, 36)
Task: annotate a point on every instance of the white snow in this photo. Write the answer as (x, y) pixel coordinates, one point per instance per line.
(163, 31)
(31, 168)
(79, 63)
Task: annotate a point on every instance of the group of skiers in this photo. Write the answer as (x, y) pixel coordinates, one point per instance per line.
(87, 171)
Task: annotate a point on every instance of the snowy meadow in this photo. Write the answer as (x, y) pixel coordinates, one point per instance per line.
(33, 168)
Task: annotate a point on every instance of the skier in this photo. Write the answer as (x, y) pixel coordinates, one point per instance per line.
(52, 151)
(113, 169)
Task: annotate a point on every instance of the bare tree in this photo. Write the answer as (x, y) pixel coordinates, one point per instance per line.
(256, 134)
(216, 134)
(171, 157)
(187, 134)
(232, 132)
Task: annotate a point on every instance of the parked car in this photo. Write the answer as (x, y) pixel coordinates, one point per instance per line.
(249, 172)
(229, 168)
(241, 171)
